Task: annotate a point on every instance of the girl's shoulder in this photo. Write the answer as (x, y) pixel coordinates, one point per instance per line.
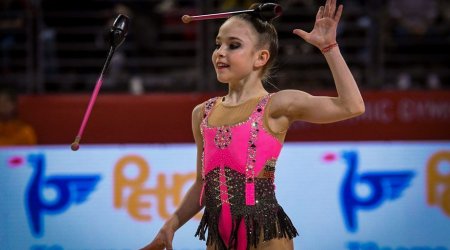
(287, 95)
(281, 102)
(201, 109)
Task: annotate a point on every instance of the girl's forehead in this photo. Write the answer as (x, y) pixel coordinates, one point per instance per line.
(237, 28)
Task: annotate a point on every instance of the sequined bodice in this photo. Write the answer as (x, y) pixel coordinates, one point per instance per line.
(238, 171)
(245, 148)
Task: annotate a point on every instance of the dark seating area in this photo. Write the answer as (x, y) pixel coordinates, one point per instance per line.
(51, 46)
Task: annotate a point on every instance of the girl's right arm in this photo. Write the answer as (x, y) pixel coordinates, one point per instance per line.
(190, 205)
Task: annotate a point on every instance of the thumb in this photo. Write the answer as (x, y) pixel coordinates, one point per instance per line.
(301, 33)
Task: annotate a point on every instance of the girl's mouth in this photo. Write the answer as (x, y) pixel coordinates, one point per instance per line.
(222, 65)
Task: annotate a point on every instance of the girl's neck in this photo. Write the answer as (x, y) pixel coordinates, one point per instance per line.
(243, 91)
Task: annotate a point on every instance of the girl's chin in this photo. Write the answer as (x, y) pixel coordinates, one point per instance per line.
(222, 79)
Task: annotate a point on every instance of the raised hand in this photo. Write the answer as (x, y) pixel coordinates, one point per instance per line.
(324, 31)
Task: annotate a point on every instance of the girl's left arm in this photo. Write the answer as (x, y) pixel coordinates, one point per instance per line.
(299, 105)
(288, 106)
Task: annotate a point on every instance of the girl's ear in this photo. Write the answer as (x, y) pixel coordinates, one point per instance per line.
(263, 57)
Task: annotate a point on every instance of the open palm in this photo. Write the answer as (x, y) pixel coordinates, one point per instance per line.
(324, 31)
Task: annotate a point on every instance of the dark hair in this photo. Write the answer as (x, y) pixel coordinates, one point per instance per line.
(267, 36)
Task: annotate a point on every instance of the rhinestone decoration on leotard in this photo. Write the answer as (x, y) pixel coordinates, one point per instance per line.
(269, 169)
(256, 117)
(212, 190)
(223, 137)
(228, 191)
(208, 107)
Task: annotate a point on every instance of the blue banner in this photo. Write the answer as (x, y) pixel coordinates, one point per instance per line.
(349, 196)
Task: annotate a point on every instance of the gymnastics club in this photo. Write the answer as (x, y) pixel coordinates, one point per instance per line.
(116, 36)
(265, 11)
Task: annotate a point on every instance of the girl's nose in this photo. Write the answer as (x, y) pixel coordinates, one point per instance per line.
(220, 51)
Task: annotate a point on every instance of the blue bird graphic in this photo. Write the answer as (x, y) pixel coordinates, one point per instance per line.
(382, 185)
(70, 190)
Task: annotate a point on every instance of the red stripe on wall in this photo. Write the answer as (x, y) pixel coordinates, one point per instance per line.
(164, 118)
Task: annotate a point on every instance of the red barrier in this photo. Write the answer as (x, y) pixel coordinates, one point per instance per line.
(388, 116)
(163, 118)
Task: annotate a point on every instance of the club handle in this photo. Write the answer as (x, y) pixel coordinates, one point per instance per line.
(264, 11)
(188, 19)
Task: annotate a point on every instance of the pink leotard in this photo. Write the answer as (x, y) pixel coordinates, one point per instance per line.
(240, 207)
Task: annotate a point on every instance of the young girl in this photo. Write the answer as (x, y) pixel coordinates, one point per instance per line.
(239, 136)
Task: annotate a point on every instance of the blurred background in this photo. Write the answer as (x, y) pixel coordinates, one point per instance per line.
(388, 169)
(50, 46)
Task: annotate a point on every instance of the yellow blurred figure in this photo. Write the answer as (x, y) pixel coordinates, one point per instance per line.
(13, 131)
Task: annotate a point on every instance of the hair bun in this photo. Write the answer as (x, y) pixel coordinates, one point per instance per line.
(266, 11)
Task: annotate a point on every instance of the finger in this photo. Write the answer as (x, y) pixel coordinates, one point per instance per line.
(326, 12)
(338, 15)
(332, 8)
(301, 33)
(168, 244)
(319, 13)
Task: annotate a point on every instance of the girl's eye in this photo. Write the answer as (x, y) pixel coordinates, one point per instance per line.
(230, 46)
(234, 45)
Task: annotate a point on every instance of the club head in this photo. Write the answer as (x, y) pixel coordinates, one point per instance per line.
(268, 11)
(118, 31)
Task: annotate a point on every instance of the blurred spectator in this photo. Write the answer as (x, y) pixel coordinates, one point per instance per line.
(413, 16)
(413, 33)
(117, 74)
(146, 25)
(11, 21)
(13, 131)
(143, 39)
(444, 7)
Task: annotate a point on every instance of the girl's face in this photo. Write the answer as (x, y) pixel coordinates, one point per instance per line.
(235, 54)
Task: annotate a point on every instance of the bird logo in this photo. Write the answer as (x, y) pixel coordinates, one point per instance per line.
(70, 189)
(383, 186)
